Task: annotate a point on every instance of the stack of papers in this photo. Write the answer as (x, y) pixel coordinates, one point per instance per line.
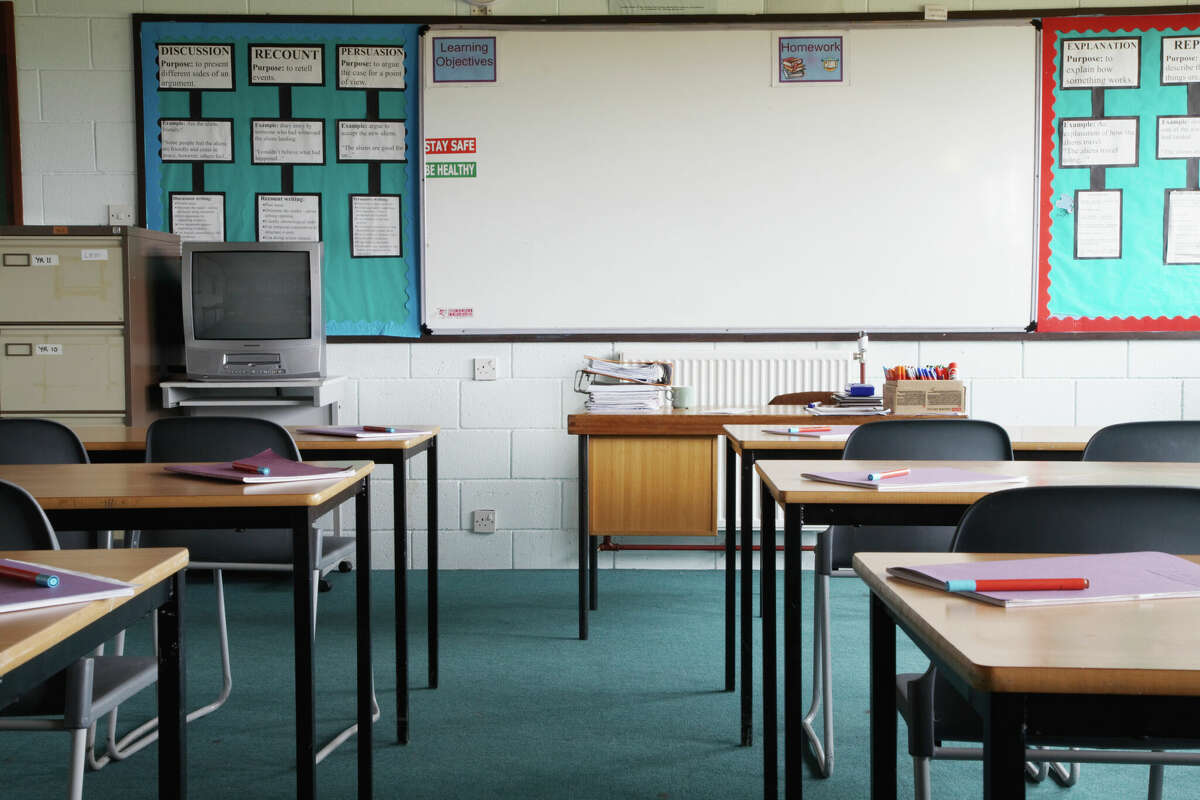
(648, 372)
(625, 397)
(847, 411)
(361, 432)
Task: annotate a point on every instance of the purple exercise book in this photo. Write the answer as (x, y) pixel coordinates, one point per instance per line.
(280, 470)
(1112, 576)
(358, 432)
(73, 587)
(917, 478)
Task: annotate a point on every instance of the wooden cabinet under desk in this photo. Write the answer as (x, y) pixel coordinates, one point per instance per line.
(90, 321)
(652, 485)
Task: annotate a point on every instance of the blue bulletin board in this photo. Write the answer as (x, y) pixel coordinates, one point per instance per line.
(253, 129)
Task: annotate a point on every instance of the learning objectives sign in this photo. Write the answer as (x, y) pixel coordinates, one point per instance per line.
(462, 59)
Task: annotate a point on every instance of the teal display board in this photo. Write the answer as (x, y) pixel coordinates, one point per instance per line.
(1119, 207)
(260, 129)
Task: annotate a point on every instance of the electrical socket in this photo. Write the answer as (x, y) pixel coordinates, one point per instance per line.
(485, 369)
(483, 520)
(480, 11)
(120, 215)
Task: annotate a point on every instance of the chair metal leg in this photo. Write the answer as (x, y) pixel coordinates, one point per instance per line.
(1154, 792)
(78, 748)
(822, 692)
(921, 777)
(147, 732)
(1064, 775)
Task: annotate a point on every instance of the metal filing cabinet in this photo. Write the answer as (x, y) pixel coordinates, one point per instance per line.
(89, 321)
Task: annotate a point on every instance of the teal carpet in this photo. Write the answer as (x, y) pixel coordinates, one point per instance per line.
(524, 710)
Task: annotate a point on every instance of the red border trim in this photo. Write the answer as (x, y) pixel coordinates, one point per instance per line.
(1051, 27)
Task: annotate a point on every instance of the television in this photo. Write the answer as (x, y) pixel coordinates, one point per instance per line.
(252, 310)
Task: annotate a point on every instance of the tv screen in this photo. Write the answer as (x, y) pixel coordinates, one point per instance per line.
(251, 294)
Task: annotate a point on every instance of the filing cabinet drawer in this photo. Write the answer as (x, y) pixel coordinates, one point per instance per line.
(61, 280)
(77, 368)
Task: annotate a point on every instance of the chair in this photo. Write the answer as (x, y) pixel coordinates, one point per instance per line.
(44, 441)
(74, 699)
(1161, 440)
(1066, 519)
(801, 398)
(916, 439)
(225, 439)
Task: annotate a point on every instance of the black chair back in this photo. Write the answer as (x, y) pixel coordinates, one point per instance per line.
(1162, 440)
(215, 439)
(1082, 519)
(39, 441)
(23, 524)
(920, 440)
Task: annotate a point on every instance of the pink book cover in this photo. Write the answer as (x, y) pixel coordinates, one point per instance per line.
(278, 470)
(73, 587)
(917, 478)
(1112, 577)
(360, 432)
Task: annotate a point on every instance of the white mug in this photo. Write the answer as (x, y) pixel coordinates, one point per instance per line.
(683, 396)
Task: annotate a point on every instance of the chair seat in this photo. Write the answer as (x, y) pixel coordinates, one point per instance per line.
(114, 680)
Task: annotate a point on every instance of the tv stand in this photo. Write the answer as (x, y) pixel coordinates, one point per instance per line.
(316, 392)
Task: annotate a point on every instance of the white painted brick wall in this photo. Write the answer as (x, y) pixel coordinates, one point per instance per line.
(77, 95)
(475, 454)
(545, 454)
(1091, 359)
(421, 402)
(58, 147)
(511, 404)
(454, 360)
(519, 504)
(115, 151)
(1023, 402)
(1164, 359)
(1104, 402)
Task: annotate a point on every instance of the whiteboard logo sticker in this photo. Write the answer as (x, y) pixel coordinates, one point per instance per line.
(45, 259)
(455, 313)
(48, 349)
(94, 255)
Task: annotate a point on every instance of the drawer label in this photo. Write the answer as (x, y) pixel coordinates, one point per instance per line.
(48, 349)
(45, 259)
(94, 255)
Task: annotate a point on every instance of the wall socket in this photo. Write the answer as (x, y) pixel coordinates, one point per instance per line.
(483, 520)
(485, 369)
(120, 215)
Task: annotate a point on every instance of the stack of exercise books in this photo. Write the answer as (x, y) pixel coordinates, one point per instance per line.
(624, 385)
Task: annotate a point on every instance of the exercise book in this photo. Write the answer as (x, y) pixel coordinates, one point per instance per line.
(264, 467)
(73, 587)
(917, 478)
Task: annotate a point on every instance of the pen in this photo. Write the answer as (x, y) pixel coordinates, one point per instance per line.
(29, 575)
(379, 428)
(1017, 585)
(247, 467)
(879, 476)
(813, 429)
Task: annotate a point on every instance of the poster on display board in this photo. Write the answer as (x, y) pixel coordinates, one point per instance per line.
(1119, 201)
(264, 129)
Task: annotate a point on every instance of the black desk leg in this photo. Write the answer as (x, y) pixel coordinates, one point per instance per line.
(583, 536)
(593, 572)
(362, 612)
(747, 576)
(766, 591)
(1003, 748)
(793, 736)
(302, 622)
(431, 542)
(730, 567)
(172, 693)
(400, 587)
(883, 702)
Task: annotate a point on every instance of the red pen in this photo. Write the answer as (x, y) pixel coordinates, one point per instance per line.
(813, 429)
(29, 575)
(247, 467)
(1017, 585)
(879, 476)
(378, 428)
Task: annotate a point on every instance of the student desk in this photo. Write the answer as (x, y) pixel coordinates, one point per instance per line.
(747, 444)
(144, 496)
(1141, 669)
(36, 645)
(117, 443)
(813, 502)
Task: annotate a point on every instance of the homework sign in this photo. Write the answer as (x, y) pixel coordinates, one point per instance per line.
(810, 59)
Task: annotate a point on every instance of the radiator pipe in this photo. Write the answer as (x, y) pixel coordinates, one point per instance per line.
(608, 545)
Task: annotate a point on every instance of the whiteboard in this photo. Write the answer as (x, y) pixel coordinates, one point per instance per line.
(653, 179)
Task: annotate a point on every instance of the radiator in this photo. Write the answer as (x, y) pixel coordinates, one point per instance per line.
(745, 382)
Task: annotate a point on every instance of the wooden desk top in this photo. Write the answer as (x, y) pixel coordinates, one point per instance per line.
(784, 480)
(1138, 647)
(108, 486)
(694, 421)
(123, 438)
(1032, 438)
(26, 634)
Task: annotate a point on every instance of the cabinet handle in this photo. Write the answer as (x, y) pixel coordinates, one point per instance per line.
(18, 349)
